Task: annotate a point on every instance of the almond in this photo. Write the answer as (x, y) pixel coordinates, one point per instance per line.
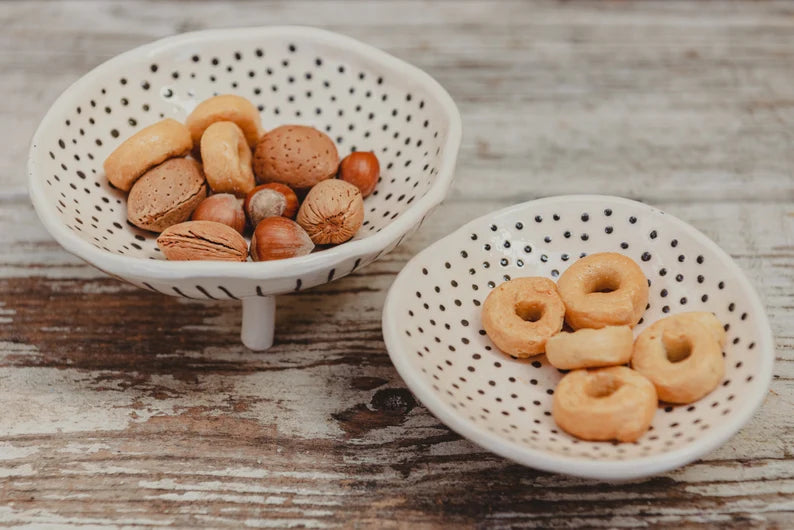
(202, 240)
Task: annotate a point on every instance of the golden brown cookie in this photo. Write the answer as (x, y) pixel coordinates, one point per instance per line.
(144, 150)
(604, 289)
(166, 194)
(613, 403)
(590, 348)
(682, 356)
(227, 159)
(295, 155)
(520, 315)
(226, 107)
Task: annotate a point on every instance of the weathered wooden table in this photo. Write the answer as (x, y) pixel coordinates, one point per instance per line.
(122, 407)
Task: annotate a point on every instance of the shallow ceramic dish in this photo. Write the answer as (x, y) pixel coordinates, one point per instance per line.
(363, 98)
(432, 328)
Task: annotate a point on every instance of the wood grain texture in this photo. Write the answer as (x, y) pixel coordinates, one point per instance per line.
(114, 415)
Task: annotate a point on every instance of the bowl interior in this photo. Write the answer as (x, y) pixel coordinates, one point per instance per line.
(293, 76)
(438, 344)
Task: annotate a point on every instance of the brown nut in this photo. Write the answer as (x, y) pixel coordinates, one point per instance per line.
(279, 238)
(226, 107)
(360, 169)
(227, 159)
(166, 194)
(295, 155)
(332, 212)
(202, 240)
(269, 200)
(222, 208)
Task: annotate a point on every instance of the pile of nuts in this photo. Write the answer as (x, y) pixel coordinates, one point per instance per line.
(602, 297)
(246, 181)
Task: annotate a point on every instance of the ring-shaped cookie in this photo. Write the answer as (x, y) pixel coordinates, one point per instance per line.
(145, 149)
(604, 289)
(614, 403)
(227, 159)
(521, 314)
(226, 107)
(681, 355)
(590, 348)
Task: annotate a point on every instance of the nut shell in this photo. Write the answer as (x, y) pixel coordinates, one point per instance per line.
(226, 107)
(361, 169)
(227, 159)
(166, 194)
(222, 208)
(295, 155)
(202, 240)
(332, 212)
(279, 238)
(291, 205)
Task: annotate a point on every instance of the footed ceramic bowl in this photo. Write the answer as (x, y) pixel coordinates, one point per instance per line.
(432, 327)
(361, 97)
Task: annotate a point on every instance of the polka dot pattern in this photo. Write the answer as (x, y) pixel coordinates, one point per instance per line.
(438, 300)
(359, 104)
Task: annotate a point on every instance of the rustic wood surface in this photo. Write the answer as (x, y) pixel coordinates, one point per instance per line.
(122, 408)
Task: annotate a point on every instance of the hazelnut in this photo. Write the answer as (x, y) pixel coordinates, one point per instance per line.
(222, 208)
(264, 203)
(332, 212)
(260, 205)
(360, 169)
(279, 238)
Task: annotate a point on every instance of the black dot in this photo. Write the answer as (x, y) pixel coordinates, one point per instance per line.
(700, 278)
(674, 243)
(585, 237)
(608, 229)
(585, 217)
(195, 59)
(646, 256)
(538, 219)
(624, 245)
(527, 249)
(145, 85)
(519, 226)
(679, 277)
(114, 133)
(632, 219)
(566, 234)
(721, 285)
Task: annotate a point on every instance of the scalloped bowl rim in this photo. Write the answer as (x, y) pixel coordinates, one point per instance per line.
(165, 270)
(613, 470)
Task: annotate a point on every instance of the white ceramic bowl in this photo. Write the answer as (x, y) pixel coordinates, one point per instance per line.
(432, 328)
(363, 98)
